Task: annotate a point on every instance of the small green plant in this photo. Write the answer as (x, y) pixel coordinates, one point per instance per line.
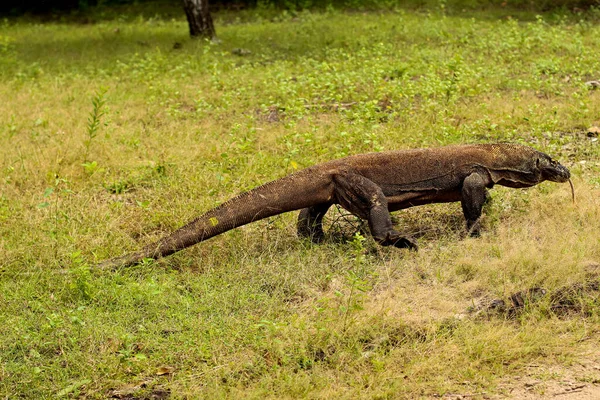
(358, 288)
(119, 187)
(90, 167)
(130, 350)
(51, 196)
(81, 278)
(94, 120)
(73, 388)
(356, 281)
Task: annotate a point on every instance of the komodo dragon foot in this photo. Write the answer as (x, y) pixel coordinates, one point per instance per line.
(395, 239)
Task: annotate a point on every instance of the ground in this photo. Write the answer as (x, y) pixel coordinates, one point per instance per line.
(117, 128)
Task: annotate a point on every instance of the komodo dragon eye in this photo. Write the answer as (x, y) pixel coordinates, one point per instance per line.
(553, 163)
(540, 161)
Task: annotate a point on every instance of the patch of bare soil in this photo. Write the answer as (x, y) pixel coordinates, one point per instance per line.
(580, 381)
(575, 382)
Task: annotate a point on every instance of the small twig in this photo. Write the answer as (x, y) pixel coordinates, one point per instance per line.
(574, 389)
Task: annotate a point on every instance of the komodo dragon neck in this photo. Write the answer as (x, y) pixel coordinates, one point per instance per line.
(370, 186)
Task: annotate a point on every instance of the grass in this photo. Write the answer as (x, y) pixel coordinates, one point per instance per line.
(111, 136)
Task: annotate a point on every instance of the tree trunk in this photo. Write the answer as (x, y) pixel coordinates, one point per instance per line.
(199, 19)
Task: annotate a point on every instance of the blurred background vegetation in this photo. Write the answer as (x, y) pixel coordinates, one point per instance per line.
(49, 7)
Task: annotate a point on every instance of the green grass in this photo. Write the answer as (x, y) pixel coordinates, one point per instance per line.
(257, 312)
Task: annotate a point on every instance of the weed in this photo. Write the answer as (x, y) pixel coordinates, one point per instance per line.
(81, 278)
(94, 122)
(90, 167)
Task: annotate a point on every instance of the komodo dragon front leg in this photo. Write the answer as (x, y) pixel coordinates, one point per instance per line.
(363, 198)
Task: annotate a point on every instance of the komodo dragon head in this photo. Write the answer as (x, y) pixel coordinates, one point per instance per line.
(521, 166)
(551, 170)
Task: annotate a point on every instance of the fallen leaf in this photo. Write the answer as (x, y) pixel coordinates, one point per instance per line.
(164, 371)
(593, 84)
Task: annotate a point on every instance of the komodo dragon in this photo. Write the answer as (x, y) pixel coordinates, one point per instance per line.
(370, 186)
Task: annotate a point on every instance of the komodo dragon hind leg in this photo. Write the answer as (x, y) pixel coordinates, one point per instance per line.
(310, 222)
(474, 196)
(366, 200)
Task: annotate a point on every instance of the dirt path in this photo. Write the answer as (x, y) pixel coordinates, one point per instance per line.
(577, 391)
(579, 381)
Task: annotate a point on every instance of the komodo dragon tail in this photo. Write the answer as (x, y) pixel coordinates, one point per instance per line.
(293, 192)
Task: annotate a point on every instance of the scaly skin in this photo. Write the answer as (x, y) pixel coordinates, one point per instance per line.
(371, 186)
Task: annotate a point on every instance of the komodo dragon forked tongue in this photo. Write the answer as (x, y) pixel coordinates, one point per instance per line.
(371, 186)
(572, 190)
